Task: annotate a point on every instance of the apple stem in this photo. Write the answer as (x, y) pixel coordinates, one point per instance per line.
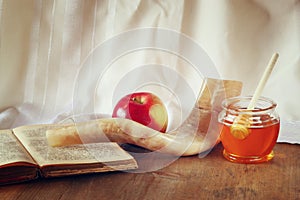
(138, 100)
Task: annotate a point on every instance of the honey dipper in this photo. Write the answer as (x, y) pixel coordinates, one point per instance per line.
(239, 128)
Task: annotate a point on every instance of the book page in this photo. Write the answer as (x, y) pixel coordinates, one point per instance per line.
(35, 141)
(11, 151)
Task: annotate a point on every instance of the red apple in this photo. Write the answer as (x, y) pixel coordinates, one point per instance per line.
(143, 107)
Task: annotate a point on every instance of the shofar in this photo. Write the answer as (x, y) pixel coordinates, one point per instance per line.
(188, 139)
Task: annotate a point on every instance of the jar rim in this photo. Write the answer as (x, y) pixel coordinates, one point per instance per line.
(231, 104)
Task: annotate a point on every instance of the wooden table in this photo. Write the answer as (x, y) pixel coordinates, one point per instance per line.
(211, 177)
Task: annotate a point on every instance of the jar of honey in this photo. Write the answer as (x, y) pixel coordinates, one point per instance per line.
(248, 135)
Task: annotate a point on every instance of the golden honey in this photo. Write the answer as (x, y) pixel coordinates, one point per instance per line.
(252, 139)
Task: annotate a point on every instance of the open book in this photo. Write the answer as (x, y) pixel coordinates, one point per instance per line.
(26, 155)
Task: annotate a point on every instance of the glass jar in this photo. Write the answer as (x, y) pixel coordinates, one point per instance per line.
(248, 135)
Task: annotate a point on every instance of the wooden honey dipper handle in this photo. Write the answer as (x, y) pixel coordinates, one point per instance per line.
(263, 81)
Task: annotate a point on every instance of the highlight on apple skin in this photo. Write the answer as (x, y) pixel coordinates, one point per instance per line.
(145, 108)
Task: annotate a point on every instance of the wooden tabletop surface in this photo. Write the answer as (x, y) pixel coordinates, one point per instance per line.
(211, 177)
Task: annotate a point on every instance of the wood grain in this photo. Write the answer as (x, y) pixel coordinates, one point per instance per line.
(211, 177)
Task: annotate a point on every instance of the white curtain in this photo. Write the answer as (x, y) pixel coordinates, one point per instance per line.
(45, 43)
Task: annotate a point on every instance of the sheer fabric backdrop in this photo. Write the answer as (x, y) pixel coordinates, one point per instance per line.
(44, 43)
